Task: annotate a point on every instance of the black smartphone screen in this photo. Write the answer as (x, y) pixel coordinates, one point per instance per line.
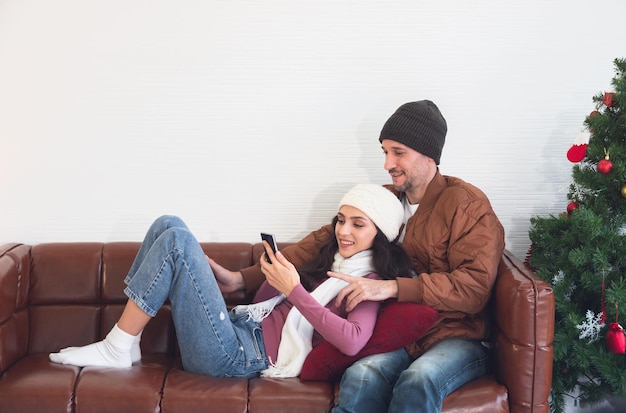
(271, 239)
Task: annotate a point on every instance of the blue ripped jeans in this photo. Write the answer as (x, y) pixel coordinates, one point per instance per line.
(392, 382)
(213, 341)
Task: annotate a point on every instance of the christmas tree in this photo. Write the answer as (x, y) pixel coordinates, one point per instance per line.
(582, 254)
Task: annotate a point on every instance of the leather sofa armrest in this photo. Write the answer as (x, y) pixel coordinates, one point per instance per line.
(524, 313)
(14, 288)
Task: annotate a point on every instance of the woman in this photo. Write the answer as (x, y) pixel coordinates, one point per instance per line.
(292, 312)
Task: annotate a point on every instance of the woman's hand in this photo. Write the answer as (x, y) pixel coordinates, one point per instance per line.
(280, 274)
(228, 281)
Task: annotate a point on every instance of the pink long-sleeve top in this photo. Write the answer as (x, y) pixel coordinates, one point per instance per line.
(349, 332)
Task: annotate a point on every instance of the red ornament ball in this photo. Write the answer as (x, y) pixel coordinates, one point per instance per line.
(605, 166)
(616, 339)
(571, 207)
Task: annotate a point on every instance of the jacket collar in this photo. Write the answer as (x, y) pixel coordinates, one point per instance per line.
(435, 188)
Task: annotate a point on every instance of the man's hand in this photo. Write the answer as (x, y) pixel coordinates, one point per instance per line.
(363, 289)
(228, 281)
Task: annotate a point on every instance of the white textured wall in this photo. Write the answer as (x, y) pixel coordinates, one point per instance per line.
(249, 116)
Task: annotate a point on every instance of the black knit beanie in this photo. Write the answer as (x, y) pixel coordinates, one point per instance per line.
(418, 125)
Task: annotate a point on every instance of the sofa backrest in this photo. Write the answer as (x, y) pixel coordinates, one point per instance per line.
(76, 295)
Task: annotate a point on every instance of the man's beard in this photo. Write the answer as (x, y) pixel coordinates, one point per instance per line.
(403, 187)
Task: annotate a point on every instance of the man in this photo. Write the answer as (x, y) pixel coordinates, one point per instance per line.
(455, 242)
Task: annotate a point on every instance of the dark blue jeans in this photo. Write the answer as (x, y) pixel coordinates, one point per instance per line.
(392, 382)
(213, 341)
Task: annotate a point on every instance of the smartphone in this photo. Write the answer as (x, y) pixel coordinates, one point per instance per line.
(271, 239)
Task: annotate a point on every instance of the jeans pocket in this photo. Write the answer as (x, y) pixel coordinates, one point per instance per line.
(259, 344)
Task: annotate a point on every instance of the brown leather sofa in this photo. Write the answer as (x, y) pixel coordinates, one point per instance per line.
(60, 294)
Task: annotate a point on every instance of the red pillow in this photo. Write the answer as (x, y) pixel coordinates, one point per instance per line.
(397, 325)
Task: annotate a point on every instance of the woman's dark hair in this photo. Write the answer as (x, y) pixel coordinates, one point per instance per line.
(389, 260)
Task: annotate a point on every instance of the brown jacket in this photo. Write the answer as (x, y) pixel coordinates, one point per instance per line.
(455, 242)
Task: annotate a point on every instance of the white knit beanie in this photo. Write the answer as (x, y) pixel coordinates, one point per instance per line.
(379, 204)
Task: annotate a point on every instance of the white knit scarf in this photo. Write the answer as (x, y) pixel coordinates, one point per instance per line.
(295, 343)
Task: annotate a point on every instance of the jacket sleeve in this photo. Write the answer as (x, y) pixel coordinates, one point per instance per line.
(298, 254)
(464, 279)
(349, 334)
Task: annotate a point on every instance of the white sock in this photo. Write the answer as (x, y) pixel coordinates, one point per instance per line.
(135, 350)
(113, 351)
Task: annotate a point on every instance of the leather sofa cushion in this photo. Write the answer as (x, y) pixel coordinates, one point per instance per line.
(191, 393)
